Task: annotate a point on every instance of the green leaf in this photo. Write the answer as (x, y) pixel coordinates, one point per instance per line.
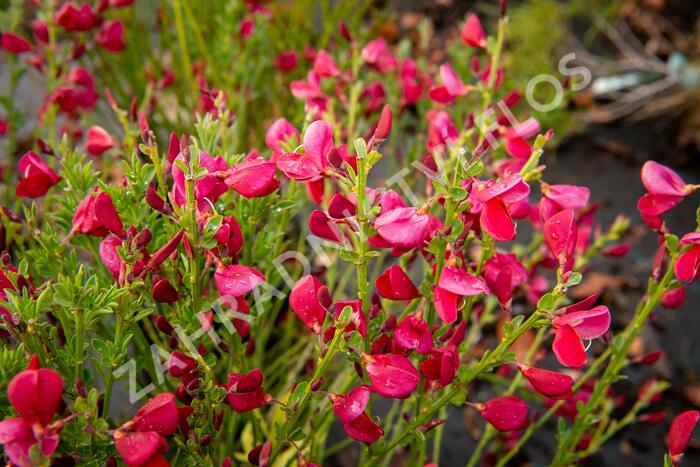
(457, 193)
(360, 148)
(671, 243)
(474, 169)
(574, 279)
(298, 393)
(546, 302)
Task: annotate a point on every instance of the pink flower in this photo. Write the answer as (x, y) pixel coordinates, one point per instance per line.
(14, 44)
(673, 298)
(495, 197)
(323, 226)
(680, 432)
(229, 236)
(687, 267)
(245, 392)
(324, 66)
(254, 177)
(141, 449)
(206, 189)
(85, 221)
(560, 235)
(403, 227)
(452, 86)
(505, 413)
(548, 383)
(350, 409)
(236, 280)
(280, 131)
(666, 189)
(503, 273)
(35, 395)
(472, 33)
(414, 334)
(309, 165)
(111, 36)
(455, 282)
(394, 284)
(158, 415)
(110, 256)
(377, 55)
(107, 215)
(574, 326)
(36, 176)
(310, 300)
(441, 367)
(391, 375)
(441, 129)
(556, 198)
(98, 141)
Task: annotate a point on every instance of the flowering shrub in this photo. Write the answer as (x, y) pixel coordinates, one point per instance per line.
(181, 302)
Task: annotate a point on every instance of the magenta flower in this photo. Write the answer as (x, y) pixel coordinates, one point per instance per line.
(245, 392)
(309, 165)
(350, 409)
(98, 141)
(574, 326)
(454, 283)
(451, 88)
(229, 236)
(505, 413)
(414, 334)
(440, 368)
(323, 226)
(236, 280)
(391, 375)
(548, 383)
(141, 449)
(377, 55)
(286, 61)
(495, 198)
(280, 131)
(110, 256)
(680, 432)
(687, 267)
(403, 227)
(107, 214)
(35, 395)
(503, 273)
(72, 18)
(325, 66)
(14, 44)
(472, 33)
(85, 221)
(556, 198)
(310, 300)
(159, 415)
(111, 36)
(36, 177)
(560, 235)
(254, 177)
(394, 284)
(206, 189)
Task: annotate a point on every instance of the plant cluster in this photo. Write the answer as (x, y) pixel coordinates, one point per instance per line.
(392, 246)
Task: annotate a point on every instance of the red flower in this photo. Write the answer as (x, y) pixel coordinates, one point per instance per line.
(85, 221)
(206, 189)
(159, 415)
(309, 300)
(350, 409)
(229, 236)
(107, 214)
(141, 449)
(556, 198)
(111, 36)
(14, 44)
(472, 33)
(548, 383)
(286, 61)
(680, 432)
(72, 18)
(391, 375)
(280, 131)
(687, 267)
(394, 284)
(37, 176)
(413, 333)
(309, 165)
(495, 198)
(377, 55)
(164, 292)
(236, 280)
(454, 283)
(35, 394)
(98, 141)
(452, 86)
(253, 178)
(574, 326)
(245, 392)
(505, 413)
(560, 235)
